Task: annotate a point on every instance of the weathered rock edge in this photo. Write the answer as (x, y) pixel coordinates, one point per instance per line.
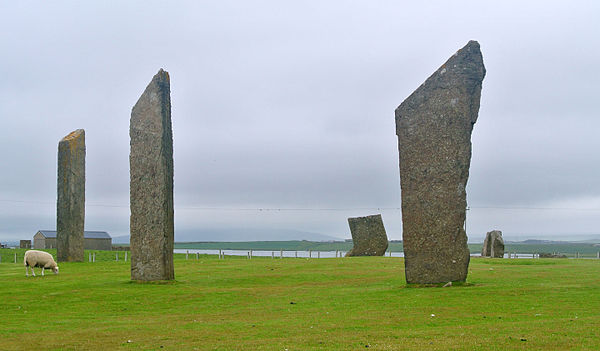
(151, 183)
(434, 126)
(493, 245)
(368, 236)
(70, 199)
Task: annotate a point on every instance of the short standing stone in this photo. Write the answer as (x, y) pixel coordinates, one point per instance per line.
(368, 236)
(493, 245)
(70, 204)
(434, 127)
(151, 188)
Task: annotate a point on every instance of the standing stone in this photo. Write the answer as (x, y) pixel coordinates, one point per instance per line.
(368, 236)
(151, 188)
(434, 127)
(70, 204)
(493, 245)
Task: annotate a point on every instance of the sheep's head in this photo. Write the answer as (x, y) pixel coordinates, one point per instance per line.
(55, 270)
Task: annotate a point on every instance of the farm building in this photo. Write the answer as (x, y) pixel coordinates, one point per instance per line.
(46, 239)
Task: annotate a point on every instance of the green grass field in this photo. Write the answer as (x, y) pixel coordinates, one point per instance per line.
(300, 304)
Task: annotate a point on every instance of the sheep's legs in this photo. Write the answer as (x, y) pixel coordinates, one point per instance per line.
(32, 271)
(42, 271)
(27, 271)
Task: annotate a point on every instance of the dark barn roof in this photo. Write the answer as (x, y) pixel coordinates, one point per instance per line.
(86, 234)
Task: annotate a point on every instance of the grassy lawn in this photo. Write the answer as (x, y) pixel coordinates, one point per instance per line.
(300, 304)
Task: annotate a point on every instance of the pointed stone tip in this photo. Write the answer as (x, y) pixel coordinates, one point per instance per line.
(163, 75)
(73, 135)
(472, 46)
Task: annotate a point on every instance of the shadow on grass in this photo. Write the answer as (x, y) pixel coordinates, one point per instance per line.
(440, 285)
(520, 261)
(153, 282)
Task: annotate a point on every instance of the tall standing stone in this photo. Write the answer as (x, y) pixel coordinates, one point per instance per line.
(434, 127)
(70, 203)
(368, 236)
(493, 245)
(151, 187)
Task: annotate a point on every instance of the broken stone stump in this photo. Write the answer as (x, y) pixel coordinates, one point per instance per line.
(151, 183)
(70, 203)
(434, 127)
(368, 236)
(493, 245)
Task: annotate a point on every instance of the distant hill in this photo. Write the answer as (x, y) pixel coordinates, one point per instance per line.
(240, 234)
(248, 234)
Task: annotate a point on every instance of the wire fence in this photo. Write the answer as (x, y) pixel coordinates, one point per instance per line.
(16, 256)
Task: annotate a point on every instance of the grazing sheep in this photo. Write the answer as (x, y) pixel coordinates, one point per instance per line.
(35, 258)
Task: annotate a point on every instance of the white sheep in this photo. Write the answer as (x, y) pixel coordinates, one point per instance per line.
(35, 258)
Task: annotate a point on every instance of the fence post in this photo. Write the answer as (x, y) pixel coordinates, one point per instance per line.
(309, 253)
(116, 256)
(197, 256)
(89, 257)
(318, 254)
(187, 252)
(16, 258)
(272, 254)
(219, 253)
(281, 254)
(251, 254)
(94, 257)
(125, 256)
(297, 254)
(598, 255)
(390, 253)
(248, 254)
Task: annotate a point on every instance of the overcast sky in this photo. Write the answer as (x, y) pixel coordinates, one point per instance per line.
(290, 105)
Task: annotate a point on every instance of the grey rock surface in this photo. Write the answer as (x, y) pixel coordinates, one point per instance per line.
(434, 127)
(493, 245)
(25, 244)
(70, 202)
(368, 236)
(151, 183)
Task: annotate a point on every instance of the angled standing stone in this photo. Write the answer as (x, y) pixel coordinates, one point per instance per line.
(151, 188)
(70, 203)
(493, 245)
(434, 127)
(368, 236)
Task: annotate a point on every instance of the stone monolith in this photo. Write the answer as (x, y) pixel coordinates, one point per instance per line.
(493, 245)
(368, 236)
(25, 244)
(151, 183)
(434, 127)
(70, 202)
